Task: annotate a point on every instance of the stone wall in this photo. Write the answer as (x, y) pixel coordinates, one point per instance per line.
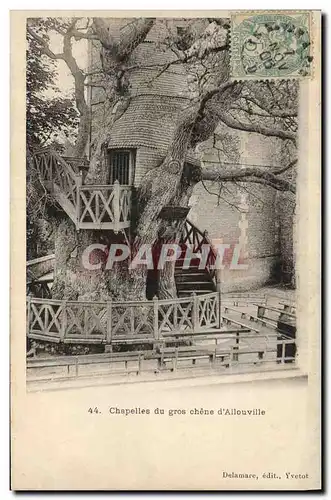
(244, 216)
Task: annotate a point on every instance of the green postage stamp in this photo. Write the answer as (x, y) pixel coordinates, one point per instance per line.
(270, 45)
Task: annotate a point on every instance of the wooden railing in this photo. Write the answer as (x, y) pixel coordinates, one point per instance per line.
(89, 206)
(106, 322)
(104, 207)
(195, 239)
(40, 266)
(58, 177)
(39, 275)
(78, 164)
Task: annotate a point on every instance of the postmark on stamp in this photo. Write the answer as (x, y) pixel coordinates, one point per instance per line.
(270, 45)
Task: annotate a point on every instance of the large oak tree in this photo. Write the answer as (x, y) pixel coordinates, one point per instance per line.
(265, 108)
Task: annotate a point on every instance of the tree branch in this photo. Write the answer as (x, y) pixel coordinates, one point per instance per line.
(279, 113)
(279, 184)
(79, 79)
(78, 35)
(255, 127)
(131, 38)
(100, 29)
(45, 49)
(257, 175)
(287, 167)
(266, 114)
(211, 93)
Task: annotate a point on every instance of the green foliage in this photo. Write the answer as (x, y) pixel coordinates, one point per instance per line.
(47, 111)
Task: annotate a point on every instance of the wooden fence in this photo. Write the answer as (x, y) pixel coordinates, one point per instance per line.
(108, 322)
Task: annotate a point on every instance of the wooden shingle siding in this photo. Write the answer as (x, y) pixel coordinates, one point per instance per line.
(170, 83)
(148, 121)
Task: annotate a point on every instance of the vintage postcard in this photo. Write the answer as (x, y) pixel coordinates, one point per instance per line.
(165, 286)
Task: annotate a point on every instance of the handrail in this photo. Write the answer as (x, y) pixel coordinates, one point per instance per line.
(105, 321)
(44, 149)
(87, 187)
(200, 238)
(82, 163)
(38, 260)
(64, 164)
(156, 323)
(198, 230)
(203, 234)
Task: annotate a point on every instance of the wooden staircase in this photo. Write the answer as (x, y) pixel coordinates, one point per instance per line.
(194, 279)
(88, 206)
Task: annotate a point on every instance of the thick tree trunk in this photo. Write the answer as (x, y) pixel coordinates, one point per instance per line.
(164, 185)
(72, 280)
(167, 284)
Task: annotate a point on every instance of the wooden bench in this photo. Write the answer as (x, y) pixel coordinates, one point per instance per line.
(261, 310)
(242, 325)
(191, 353)
(287, 304)
(174, 355)
(265, 322)
(217, 333)
(243, 314)
(227, 335)
(262, 321)
(257, 350)
(133, 340)
(80, 360)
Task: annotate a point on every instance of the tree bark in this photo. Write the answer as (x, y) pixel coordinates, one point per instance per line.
(221, 173)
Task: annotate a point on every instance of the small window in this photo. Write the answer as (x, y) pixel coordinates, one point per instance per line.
(121, 164)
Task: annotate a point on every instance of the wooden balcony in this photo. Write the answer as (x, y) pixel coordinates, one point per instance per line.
(89, 206)
(103, 207)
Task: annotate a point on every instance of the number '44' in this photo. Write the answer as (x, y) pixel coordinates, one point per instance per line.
(93, 410)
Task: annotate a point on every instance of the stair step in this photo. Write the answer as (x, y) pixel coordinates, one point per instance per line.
(193, 278)
(192, 262)
(188, 293)
(194, 270)
(191, 269)
(200, 285)
(193, 283)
